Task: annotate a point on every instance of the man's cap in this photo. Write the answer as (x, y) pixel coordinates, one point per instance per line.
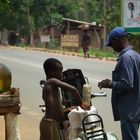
(116, 33)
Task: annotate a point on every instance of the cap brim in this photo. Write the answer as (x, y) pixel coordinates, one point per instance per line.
(107, 44)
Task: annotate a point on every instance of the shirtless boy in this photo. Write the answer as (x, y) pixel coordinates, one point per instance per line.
(49, 125)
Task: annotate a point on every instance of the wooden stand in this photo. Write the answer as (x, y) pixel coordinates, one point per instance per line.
(9, 108)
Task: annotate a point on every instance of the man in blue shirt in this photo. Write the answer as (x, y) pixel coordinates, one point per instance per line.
(125, 84)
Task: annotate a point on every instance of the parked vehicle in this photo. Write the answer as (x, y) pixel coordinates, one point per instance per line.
(84, 125)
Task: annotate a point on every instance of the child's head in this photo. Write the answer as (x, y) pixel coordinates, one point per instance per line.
(53, 68)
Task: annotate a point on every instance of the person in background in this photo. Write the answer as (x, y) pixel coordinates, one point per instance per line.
(49, 125)
(85, 44)
(125, 84)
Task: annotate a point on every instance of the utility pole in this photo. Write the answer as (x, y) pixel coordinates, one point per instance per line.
(104, 21)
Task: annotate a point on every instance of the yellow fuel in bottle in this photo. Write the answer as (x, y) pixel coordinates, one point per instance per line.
(5, 78)
(87, 93)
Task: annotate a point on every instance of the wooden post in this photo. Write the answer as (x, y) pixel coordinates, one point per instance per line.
(61, 47)
(68, 29)
(9, 108)
(11, 127)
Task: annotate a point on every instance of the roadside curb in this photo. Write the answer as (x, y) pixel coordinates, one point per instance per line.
(69, 53)
(57, 52)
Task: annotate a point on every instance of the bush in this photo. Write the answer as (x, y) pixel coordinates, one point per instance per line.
(135, 41)
(53, 44)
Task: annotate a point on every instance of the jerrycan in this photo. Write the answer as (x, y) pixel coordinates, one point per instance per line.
(5, 78)
(87, 93)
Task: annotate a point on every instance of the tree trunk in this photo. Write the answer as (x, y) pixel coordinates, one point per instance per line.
(30, 25)
(105, 4)
(4, 37)
(85, 10)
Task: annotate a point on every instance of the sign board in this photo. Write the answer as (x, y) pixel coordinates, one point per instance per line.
(70, 40)
(131, 15)
(45, 38)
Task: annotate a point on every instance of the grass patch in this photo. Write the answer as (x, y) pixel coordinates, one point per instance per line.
(22, 45)
(100, 54)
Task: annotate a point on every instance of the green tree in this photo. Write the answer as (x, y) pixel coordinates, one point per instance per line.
(27, 16)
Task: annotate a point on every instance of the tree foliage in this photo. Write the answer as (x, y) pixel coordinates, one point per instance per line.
(19, 15)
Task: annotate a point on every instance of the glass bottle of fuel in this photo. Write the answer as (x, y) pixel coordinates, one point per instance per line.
(87, 93)
(5, 78)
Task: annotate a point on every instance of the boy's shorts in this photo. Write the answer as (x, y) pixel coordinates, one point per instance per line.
(49, 129)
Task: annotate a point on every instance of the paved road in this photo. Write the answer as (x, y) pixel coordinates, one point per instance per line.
(26, 67)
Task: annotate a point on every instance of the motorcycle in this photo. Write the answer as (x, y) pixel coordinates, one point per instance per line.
(82, 125)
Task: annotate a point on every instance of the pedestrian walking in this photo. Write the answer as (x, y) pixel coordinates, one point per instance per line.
(85, 44)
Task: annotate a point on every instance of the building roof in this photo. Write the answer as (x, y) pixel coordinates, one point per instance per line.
(80, 24)
(71, 24)
(78, 21)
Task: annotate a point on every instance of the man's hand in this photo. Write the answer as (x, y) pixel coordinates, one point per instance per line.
(85, 105)
(69, 109)
(107, 83)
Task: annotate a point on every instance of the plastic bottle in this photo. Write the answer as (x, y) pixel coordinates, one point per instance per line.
(5, 78)
(87, 93)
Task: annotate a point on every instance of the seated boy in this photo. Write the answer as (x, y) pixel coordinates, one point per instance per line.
(49, 125)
